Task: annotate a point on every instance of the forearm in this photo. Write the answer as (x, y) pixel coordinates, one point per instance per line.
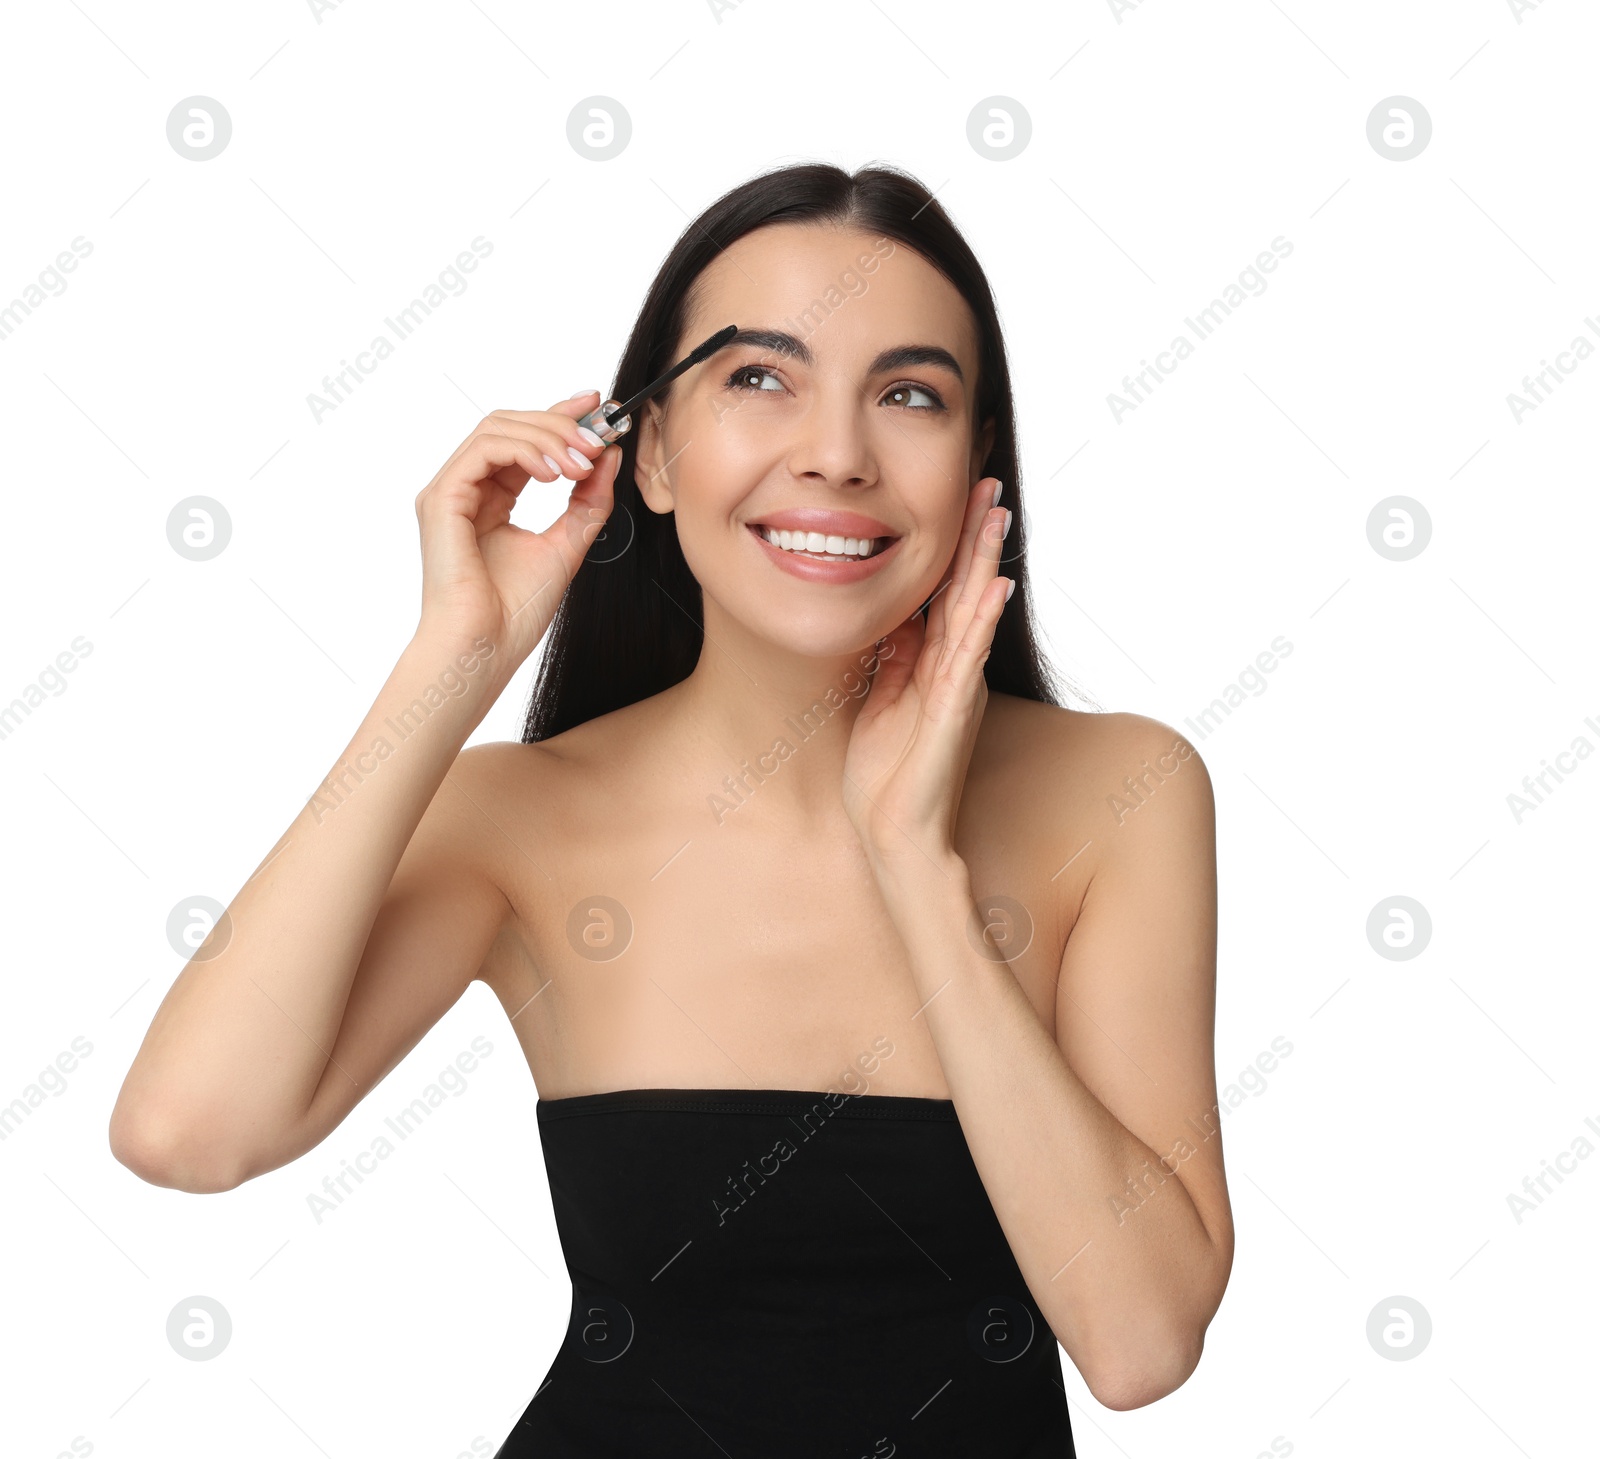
(244, 1035)
(1127, 1291)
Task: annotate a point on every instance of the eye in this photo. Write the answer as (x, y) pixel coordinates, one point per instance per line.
(760, 379)
(902, 396)
(753, 377)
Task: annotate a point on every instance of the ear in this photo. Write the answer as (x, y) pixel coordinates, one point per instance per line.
(981, 448)
(648, 463)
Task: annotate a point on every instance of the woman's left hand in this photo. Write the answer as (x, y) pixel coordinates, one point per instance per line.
(913, 737)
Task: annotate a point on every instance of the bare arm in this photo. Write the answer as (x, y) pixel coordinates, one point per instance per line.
(1101, 1148)
(374, 886)
(375, 909)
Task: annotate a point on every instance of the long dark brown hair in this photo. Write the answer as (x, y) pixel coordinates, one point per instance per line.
(630, 624)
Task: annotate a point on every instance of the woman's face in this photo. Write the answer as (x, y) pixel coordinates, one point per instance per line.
(849, 416)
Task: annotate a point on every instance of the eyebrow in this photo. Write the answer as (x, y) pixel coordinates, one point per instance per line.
(901, 357)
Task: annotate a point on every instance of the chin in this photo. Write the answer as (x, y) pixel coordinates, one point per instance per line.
(822, 637)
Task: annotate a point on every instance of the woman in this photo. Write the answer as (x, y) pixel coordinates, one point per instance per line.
(868, 991)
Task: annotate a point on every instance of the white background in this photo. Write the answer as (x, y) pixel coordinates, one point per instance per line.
(1169, 147)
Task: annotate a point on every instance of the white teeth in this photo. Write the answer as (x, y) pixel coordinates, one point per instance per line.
(820, 544)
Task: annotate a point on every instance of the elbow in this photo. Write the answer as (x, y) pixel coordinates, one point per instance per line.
(164, 1154)
(1138, 1380)
(1150, 1359)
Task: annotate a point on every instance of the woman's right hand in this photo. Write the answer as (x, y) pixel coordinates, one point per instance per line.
(482, 576)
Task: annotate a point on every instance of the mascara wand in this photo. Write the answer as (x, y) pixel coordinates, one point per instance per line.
(613, 418)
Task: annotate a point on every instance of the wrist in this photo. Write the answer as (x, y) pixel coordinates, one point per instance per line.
(910, 864)
(928, 899)
(450, 669)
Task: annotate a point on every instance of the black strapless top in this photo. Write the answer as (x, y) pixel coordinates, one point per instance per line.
(764, 1273)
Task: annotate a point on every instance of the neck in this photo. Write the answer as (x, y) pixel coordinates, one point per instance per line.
(772, 726)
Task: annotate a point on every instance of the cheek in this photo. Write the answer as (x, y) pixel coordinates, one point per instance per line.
(927, 472)
(924, 556)
(725, 446)
(709, 484)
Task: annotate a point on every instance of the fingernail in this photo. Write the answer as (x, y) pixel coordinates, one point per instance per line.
(1007, 526)
(590, 436)
(1011, 587)
(578, 456)
(552, 463)
(999, 487)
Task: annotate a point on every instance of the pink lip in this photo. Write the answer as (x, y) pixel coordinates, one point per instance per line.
(829, 523)
(814, 569)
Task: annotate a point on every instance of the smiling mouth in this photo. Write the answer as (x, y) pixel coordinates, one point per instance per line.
(822, 546)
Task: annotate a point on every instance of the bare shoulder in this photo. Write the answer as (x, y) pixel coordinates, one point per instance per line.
(1096, 772)
(517, 767)
(1079, 747)
(503, 805)
(485, 774)
(517, 799)
(480, 804)
(509, 793)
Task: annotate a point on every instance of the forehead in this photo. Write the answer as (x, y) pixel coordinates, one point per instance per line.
(810, 280)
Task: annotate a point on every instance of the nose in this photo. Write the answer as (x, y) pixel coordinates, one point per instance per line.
(832, 444)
